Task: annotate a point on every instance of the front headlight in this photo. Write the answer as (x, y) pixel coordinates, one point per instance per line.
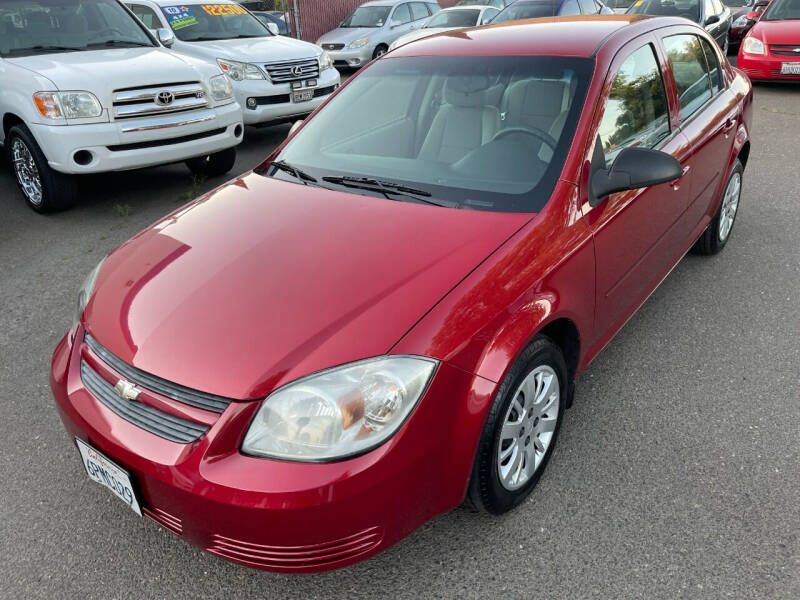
(740, 22)
(753, 45)
(359, 43)
(325, 61)
(69, 105)
(340, 412)
(84, 294)
(221, 88)
(238, 70)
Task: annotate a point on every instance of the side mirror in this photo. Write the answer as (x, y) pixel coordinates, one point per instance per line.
(712, 19)
(273, 29)
(165, 37)
(295, 126)
(633, 169)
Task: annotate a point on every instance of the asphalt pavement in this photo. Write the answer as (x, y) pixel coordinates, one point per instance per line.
(677, 473)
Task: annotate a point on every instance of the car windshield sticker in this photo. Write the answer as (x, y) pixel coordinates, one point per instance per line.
(218, 10)
(179, 16)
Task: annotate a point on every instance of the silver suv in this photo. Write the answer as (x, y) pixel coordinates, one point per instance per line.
(372, 27)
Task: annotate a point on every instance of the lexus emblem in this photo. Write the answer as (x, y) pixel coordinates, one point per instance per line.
(126, 390)
(297, 71)
(164, 98)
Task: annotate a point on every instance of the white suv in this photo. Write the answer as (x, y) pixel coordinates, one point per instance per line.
(276, 78)
(84, 88)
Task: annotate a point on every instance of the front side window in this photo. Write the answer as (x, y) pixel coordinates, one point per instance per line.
(688, 62)
(476, 132)
(402, 15)
(52, 26)
(782, 10)
(146, 15)
(205, 22)
(455, 18)
(419, 11)
(667, 8)
(367, 16)
(637, 113)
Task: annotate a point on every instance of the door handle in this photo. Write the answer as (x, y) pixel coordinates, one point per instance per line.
(676, 184)
(730, 123)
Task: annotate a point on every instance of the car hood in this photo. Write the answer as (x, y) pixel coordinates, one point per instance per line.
(102, 71)
(276, 48)
(345, 35)
(777, 32)
(264, 281)
(419, 34)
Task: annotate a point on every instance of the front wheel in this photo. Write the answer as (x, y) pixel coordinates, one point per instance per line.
(380, 51)
(213, 165)
(520, 432)
(45, 190)
(718, 232)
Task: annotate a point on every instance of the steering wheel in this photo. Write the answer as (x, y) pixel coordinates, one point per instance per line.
(539, 134)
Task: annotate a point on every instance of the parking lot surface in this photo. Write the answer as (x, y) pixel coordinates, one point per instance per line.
(677, 473)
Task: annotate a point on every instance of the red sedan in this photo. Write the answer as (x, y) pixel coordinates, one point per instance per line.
(387, 317)
(771, 50)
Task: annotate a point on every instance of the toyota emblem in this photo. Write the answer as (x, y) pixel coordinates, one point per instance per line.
(164, 98)
(297, 71)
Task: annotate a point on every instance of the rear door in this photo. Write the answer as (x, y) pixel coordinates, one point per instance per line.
(708, 117)
(636, 233)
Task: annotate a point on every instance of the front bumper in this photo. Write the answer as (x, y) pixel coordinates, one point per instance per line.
(265, 103)
(352, 59)
(136, 143)
(279, 515)
(766, 67)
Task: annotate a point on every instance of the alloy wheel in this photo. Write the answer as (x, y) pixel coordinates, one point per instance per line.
(28, 176)
(730, 203)
(528, 427)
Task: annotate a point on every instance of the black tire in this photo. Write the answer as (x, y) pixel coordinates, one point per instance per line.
(486, 491)
(380, 50)
(213, 165)
(713, 241)
(57, 190)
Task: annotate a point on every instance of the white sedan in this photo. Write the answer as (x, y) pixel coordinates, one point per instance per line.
(448, 19)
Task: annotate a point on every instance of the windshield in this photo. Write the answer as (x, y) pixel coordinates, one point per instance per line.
(521, 10)
(689, 9)
(479, 132)
(367, 16)
(454, 18)
(30, 27)
(782, 10)
(204, 22)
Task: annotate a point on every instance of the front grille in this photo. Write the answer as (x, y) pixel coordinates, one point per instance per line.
(130, 103)
(167, 142)
(148, 418)
(785, 49)
(333, 46)
(296, 557)
(174, 391)
(292, 71)
(777, 73)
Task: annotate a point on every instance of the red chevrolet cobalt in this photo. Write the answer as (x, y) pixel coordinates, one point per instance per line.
(771, 50)
(387, 317)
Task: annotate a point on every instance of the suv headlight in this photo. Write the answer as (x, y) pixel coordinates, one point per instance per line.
(239, 71)
(84, 294)
(325, 61)
(69, 105)
(740, 21)
(753, 45)
(340, 412)
(359, 43)
(221, 88)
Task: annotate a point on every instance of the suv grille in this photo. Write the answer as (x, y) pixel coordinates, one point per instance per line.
(163, 99)
(293, 71)
(174, 391)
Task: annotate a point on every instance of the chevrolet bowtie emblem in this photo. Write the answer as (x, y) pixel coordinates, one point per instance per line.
(126, 390)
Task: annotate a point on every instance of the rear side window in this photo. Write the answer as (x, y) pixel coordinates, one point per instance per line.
(588, 7)
(401, 15)
(689, 67)
(636, 113)
(146, 15)
(419, 11)
(714, 69)
(569, 7)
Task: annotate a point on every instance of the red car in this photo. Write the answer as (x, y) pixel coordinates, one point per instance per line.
(771, 50)
(387, 317)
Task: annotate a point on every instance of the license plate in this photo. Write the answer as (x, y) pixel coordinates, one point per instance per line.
(303, 96)
(108, 474)
(790, 68)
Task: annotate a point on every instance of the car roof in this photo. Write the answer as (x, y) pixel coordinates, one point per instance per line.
(557, 36)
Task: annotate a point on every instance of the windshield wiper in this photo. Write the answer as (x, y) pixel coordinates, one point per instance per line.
(387, 188)
(109, 43)
(292, 170)
(46, 49)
